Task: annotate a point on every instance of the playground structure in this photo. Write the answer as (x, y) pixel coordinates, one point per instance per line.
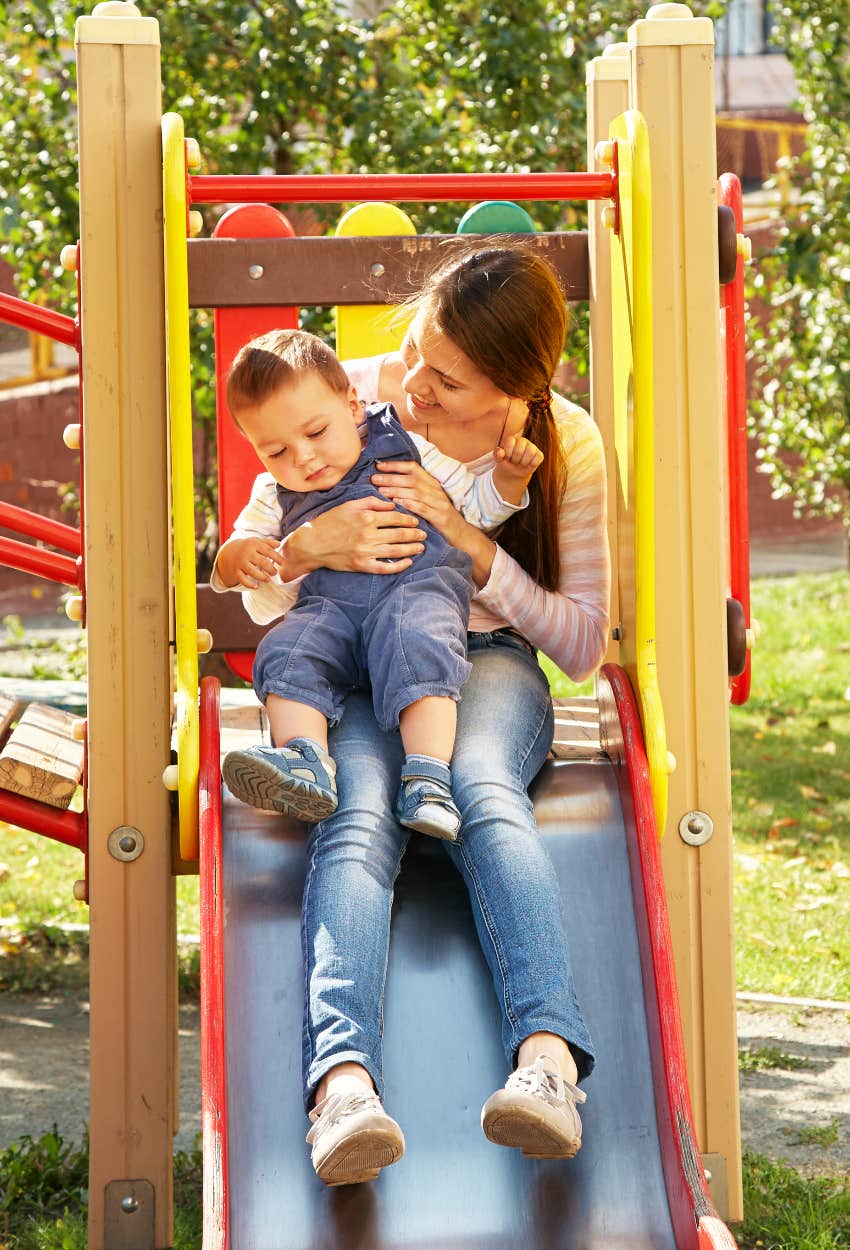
(650, 265)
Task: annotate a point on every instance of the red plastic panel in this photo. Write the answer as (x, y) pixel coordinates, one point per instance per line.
(234, 327)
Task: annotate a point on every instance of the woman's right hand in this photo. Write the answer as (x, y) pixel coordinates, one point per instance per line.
(359, 536)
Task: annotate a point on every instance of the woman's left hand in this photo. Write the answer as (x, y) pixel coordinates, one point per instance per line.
(408, 484)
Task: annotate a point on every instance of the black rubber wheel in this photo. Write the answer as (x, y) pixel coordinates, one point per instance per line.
(736, 637)
(727, 244)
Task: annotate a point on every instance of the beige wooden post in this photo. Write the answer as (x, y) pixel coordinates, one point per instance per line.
(672, 84)
(607, 97)
(131, 890)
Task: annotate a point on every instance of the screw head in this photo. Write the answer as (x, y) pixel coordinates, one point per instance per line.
(377, 270)
(255, 271)
(130, 1204)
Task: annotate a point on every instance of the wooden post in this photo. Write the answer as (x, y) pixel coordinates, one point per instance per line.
(672, 84)
(607, 97)
(131, 890)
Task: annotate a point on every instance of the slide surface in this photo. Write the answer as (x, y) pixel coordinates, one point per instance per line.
(452, 1189)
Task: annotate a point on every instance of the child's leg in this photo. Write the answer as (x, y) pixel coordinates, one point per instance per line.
(424, 801)
(288, 720)
(428, 727)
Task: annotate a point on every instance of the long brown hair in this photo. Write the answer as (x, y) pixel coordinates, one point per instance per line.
(505, 309)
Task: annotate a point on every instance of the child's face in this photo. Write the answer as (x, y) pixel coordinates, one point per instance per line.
(305, 433)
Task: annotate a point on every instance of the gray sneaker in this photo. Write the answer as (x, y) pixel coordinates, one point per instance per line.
(536, 1112)
(353, 1138)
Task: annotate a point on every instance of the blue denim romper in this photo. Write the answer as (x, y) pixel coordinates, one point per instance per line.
(402, 633)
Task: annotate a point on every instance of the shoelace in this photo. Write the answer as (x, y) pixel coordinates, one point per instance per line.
(331, 1110)
(536, 1079)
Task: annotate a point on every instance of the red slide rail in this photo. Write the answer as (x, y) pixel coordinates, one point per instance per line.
(732, 303)
(696, 1224)
(213, 1053)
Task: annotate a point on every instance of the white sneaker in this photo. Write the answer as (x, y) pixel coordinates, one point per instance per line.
(536, 1112)
(353, 1138)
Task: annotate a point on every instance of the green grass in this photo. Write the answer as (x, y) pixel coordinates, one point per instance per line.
(764, 1058)
(791, 793)
(784, 1211)
(822, 1135)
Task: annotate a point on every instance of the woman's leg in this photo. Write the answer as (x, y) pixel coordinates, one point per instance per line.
(353, 859)
(505, 729)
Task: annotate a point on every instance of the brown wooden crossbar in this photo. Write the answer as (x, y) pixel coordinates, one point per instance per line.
(325, 271)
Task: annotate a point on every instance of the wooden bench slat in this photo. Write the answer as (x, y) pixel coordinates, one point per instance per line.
(42, 759)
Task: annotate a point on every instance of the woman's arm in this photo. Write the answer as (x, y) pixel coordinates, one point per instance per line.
(571, 624)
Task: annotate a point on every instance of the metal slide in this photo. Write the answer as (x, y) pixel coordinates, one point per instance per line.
(637, 1181)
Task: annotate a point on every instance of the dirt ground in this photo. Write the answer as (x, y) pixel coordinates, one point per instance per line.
(44, 1078)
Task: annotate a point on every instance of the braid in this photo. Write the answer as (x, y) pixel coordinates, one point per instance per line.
(531, 535)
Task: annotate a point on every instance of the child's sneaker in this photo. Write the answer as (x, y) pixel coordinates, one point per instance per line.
(536, 1111)
(353, 1138)
(298, 778)
(424, 801)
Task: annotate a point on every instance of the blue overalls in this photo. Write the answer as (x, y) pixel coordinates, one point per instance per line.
(402, 633)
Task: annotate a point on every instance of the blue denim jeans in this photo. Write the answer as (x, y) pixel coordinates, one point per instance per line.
(505, 730)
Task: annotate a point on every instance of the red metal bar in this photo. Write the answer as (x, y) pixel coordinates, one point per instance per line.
(736, 432)
(20, 312)
(47, 564)
(43, 528)
(213, 1051)
(62, 826)
(340, 188)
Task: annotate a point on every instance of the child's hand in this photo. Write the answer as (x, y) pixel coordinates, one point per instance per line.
(249, 562)
(517, 460)
(518, 457)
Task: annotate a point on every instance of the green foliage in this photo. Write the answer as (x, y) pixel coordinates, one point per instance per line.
(803, 350)
(303, 86)
(45, 1177)
(770, 1058)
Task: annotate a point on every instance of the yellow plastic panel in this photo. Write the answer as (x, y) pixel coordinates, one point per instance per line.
(364, 329)
(182, 479)
(631, 282)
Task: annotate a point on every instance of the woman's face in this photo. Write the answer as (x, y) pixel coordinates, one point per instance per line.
(442, 383)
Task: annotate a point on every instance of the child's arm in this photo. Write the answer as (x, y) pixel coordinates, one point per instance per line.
(517, 460)
(248, 562)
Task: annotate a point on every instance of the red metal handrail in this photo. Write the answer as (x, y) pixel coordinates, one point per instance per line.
(60, 825)
(20, 312)
(732, 298)
(409, 188)
(49, 564)
(45, 529)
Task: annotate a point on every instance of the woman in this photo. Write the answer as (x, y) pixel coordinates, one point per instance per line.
(475, 368)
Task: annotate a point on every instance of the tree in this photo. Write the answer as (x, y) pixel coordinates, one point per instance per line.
(307, 86)
(802, 410)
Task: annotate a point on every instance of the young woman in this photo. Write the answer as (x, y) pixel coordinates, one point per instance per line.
(476, 365)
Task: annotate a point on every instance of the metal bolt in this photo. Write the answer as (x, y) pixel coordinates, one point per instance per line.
(696, 828)
(617, 633)
(377, 270)
(127, 844)
(255, 271)
(130, 1204)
